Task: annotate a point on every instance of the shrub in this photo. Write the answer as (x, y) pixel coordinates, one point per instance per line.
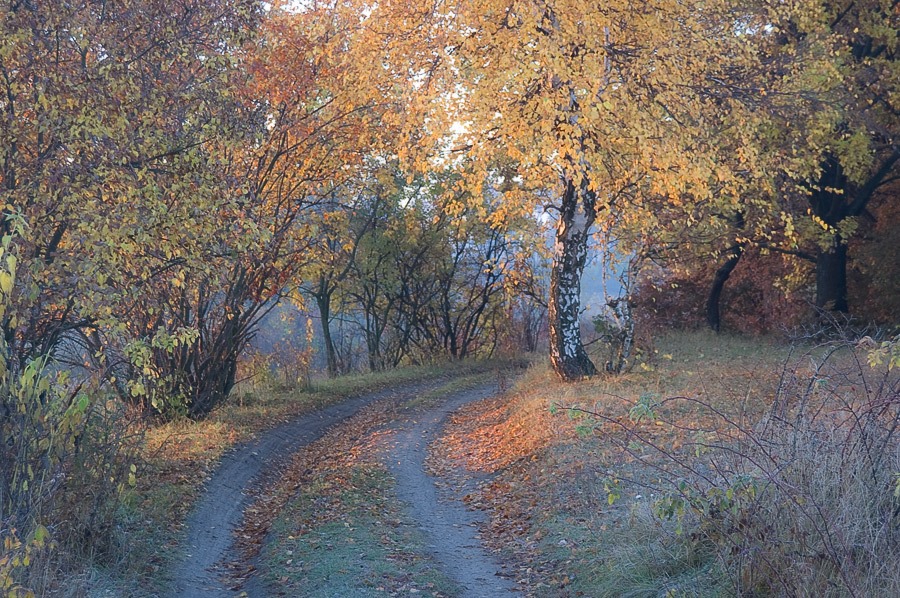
(764, 294)
(806, 501)
(63, 462)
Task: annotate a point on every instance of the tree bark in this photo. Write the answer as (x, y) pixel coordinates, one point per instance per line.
(567, 355)
(323, 302)
(831, 277)
(713, 302)
(835, 199)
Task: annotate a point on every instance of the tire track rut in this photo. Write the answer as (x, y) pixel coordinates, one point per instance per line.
(208, 536)
(450, 528)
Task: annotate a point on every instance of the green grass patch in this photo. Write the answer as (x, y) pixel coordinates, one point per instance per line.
(460, 384)
(349, 539)
(635, 557)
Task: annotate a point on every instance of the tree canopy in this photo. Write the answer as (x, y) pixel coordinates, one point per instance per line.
(180, 167)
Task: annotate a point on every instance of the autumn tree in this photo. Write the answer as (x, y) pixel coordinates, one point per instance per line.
(815, 87)
(527, 286)
(456, 274)
(307, 142)
(374, 286)
(166, 160)
(342, 225)
(421, 274)
(597, 106)
(426, 283)
(831, 70)
(310, 165)
(115, 121)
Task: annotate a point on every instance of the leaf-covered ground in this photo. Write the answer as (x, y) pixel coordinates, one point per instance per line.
(548, 471)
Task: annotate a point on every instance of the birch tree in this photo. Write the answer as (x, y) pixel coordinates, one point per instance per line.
(603, 109)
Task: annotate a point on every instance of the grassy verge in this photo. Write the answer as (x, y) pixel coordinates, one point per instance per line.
(576, 479)
(177, 457)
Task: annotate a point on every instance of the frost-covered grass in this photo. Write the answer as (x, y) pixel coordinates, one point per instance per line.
(350, 540)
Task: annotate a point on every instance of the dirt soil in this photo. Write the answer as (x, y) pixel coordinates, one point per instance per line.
(209, 529)
(451, 529)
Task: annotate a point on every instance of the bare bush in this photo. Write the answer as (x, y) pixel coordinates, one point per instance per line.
(806, 501)
(801, 500)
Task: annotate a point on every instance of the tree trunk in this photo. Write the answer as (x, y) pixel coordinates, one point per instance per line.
(372, 345)
(835, 199)
(323, 302)
(567, 355)
(831, 277)
(713, 315)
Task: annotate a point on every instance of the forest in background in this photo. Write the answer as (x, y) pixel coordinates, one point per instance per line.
(171, 171)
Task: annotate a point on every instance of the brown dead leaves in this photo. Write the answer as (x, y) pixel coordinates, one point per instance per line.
(487, 437)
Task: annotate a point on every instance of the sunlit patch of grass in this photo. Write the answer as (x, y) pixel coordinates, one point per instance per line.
(492, 434)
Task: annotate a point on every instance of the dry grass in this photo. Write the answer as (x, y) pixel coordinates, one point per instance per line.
(805, 501)
(682, 478)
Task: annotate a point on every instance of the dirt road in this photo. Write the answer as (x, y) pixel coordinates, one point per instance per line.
(450, 529)
(209, 528)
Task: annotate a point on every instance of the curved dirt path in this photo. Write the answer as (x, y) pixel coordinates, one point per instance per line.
(208, 530)
(449, 527)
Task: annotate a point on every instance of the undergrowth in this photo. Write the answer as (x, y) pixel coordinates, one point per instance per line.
(726, 466)
(805, 500)
(65, 463)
